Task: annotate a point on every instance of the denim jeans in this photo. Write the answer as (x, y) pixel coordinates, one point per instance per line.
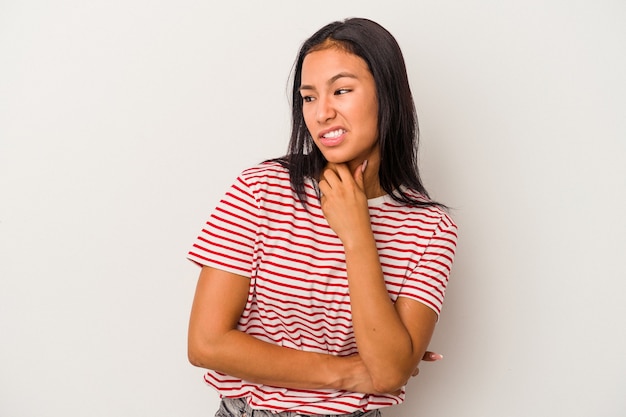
(238, 407)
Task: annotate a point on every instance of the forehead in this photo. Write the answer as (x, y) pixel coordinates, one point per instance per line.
(326, 63)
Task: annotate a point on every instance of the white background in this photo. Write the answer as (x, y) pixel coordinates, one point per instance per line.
(123, 122)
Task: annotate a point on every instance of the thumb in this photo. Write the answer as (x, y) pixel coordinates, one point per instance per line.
(359, 175)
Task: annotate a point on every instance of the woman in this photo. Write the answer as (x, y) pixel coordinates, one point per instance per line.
(323, 272)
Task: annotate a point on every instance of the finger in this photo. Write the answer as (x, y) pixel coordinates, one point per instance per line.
(343, 173)
(331, 177)
(359, 175)
(416, 372)
(332, 166)
(324, 187)
(432, 356)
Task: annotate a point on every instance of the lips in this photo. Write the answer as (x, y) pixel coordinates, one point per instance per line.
(332, 137)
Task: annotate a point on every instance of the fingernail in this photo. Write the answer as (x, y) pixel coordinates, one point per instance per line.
(363, 166)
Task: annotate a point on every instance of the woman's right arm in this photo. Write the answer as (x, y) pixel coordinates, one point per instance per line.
(215, 343)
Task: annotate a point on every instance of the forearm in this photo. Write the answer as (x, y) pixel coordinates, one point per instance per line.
(243, 356)
(215, 343)
(391, 337)
(384, 343)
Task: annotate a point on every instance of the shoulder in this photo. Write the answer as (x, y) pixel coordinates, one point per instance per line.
(268, 181)
(266, 172)
(431, 218)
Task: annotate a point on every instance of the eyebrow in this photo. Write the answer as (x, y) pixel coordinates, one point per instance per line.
(330, 81)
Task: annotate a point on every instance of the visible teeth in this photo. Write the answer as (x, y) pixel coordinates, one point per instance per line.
(334, 133)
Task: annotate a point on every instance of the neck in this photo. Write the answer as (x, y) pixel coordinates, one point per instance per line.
(371, 181)
(374, 190)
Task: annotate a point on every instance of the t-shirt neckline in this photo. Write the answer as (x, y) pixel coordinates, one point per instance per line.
(378, 201)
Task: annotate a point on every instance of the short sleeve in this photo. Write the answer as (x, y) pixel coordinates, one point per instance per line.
(228, 238)
(428, 281)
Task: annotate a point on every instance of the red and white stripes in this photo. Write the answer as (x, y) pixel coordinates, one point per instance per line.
(299, 289)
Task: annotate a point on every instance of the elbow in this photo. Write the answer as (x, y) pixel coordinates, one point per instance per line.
(199, 354)
(207, 349)
(390, 382)
(194, 356)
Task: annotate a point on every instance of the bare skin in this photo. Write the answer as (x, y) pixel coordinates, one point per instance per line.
(391, 338)
(340, 111)
(215, 343)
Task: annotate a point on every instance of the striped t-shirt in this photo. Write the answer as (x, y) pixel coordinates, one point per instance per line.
(298, 285)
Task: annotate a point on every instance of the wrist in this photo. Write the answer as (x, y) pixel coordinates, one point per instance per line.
(360, 243)
(351, 375)
(335, 371)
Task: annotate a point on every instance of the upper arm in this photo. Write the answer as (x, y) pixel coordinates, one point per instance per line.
(419, 321)
(429, 281)
(218, 303)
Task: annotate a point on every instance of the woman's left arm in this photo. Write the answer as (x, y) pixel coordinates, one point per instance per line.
(391, 337)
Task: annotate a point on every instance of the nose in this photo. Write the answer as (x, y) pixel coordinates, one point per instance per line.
(325, 110)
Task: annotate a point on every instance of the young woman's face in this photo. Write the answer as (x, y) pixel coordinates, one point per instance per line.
(340, 106)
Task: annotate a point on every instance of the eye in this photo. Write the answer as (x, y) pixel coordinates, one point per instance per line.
(307, 99)
(342, 91)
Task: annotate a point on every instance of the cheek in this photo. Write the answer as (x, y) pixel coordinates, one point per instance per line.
(363, 110)
(373, 115)
(308, 116)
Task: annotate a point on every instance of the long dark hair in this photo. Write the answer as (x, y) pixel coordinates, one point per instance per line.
(397, 118)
